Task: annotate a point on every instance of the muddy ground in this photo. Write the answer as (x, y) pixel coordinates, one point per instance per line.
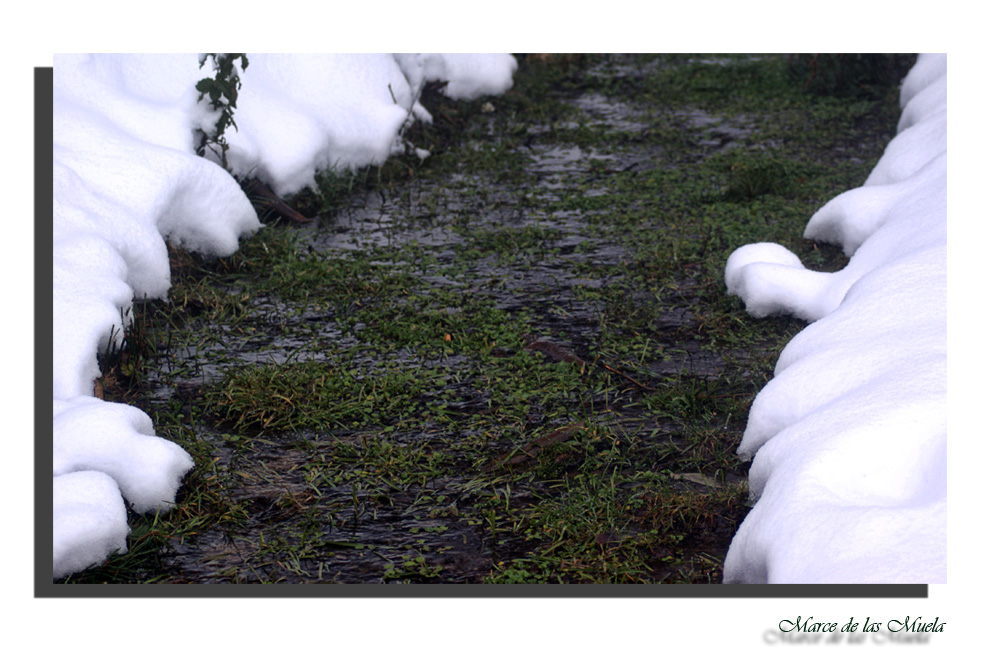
(512, 362)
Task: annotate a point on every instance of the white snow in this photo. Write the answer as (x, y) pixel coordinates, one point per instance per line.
(126, 179)
(300, 113)
(848, 441)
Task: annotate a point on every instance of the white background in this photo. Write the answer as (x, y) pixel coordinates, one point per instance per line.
(524, 627)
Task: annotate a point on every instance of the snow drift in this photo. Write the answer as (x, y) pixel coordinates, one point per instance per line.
(848, 440)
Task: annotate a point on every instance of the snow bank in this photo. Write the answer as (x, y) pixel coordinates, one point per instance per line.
(126, 180)
(468, 76)
(848, 440)
(301, 113)
(125, 177)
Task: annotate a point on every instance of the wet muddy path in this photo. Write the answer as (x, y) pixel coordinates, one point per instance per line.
(511, 362)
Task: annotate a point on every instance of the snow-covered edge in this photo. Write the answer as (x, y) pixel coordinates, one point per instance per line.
(848, 440)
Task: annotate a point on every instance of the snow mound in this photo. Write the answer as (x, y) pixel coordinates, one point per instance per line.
(468, 76)
(299, 114)
(88, 521)
(848, 440)
(118, 440)
(125, 177)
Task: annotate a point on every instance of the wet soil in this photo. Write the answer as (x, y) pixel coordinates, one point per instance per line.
(565, 380)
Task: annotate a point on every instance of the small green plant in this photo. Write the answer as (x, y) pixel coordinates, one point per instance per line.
(123, 357)
(287, 396)
(221, 91)
(414, 568)
(754, 175)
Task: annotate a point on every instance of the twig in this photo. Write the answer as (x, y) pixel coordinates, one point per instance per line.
(632, 380)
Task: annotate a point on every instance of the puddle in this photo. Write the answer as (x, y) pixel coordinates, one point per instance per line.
(562, 159)
(714, 132)
(610, 114)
